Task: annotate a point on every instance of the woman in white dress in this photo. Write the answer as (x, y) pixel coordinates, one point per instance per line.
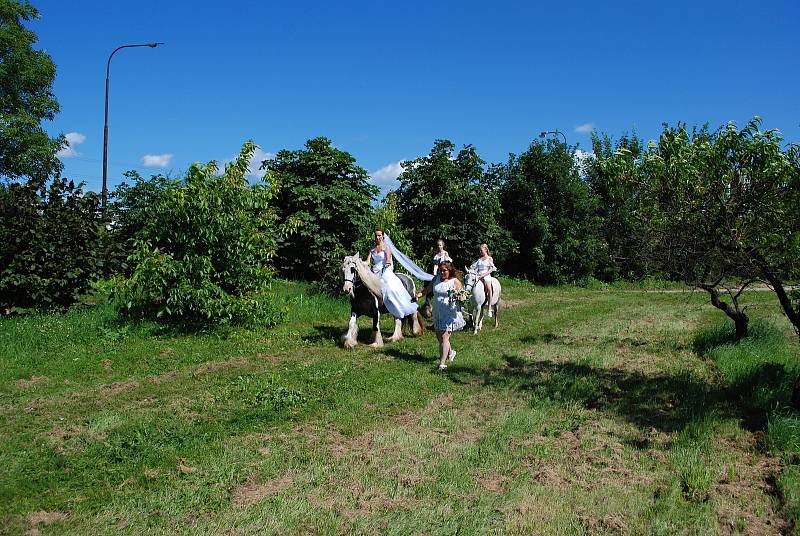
(440, 256)
(395, 295)
(485, 266)
(446, 315)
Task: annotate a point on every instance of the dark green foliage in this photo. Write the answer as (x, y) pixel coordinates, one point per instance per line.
(550, 214)
(617, 199)
(452, 198)
(329, 196)
(384, 217)
(202, 255)
(49, 243)
(26, 98)
(128, 215)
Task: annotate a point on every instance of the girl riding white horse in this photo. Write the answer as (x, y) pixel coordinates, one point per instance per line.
(485, 290)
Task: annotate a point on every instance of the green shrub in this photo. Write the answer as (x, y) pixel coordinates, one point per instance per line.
(202, 257)
(49, 244)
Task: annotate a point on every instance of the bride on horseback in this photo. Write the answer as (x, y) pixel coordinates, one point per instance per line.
(395, 296)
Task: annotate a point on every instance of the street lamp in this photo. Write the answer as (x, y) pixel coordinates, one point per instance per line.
(546, 132)
(105, 129)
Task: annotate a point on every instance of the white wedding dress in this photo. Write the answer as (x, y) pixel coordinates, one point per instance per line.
(395, 295)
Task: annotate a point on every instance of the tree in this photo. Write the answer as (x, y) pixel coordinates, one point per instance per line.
(49, 244)
(128, 213)
(720, 209)
(550, 214)
(26, 98)
(452, 198)
(203, 255)
(329, 195)
(616, 202)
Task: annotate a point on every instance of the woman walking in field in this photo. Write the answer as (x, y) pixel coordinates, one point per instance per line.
(446, 315)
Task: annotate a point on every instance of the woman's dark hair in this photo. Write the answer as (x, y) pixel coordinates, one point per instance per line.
(454, 272)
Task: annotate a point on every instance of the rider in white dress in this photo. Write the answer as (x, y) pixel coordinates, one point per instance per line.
(441, 256)
(395, 296)
(485, 266)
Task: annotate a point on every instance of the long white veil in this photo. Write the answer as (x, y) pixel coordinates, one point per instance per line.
(405, 262)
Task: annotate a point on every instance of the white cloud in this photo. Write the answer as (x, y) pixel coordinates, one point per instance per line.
(387, 175)
(73, 139)
(584, 128)
(255, 162)
(156, 160)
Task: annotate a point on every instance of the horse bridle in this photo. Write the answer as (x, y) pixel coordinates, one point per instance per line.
(354, 274)
(471, 286)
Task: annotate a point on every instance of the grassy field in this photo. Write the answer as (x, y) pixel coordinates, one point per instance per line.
(589, 411)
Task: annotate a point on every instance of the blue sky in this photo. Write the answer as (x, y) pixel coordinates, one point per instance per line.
(383, 80)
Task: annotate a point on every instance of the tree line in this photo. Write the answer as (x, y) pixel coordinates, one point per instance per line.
(717, 209)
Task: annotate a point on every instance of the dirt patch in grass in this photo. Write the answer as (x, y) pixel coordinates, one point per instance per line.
(33, 380)
(46, 518)
(368, 505)
(511, 304)
(117, 388)
(254, 490)
(596, 524)
(491, 481)
(741, 491)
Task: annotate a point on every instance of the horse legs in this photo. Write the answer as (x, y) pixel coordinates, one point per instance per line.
(496, 314)
(477, 322)
(398, 331)
(377, 340)
(417, 325)
(350, 339)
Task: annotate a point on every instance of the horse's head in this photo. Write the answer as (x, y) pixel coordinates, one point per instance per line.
(350, 274)
(470, 278)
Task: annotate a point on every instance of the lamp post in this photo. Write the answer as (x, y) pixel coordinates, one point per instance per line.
(105, 128)
(546, 132)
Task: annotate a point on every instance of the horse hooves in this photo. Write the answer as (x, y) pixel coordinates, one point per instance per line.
(393, 339)
(376, 345)
(349, 345)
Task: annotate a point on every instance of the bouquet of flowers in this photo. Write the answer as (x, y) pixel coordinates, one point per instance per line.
(459, 297)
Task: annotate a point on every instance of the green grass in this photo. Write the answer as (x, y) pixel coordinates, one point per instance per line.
(589, 411)
(761, 370)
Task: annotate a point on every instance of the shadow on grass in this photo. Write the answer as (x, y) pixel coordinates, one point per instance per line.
(408, 356)
(328, 333)
(667, 403)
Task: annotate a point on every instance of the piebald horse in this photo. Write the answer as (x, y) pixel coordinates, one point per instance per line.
(477, 300)
(366, 291)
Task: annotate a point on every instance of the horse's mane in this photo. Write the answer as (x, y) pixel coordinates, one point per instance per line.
(370, 280)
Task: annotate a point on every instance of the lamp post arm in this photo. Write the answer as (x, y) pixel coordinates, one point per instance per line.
(104, 196)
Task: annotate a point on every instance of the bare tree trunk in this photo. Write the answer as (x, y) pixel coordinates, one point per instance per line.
(783, 298)
(739, 317)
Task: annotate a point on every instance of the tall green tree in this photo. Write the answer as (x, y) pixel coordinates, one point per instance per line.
(550, 213)
(323, 189)
(453, 198)
(26, 98)
(49, 244)
(720, 210)
(616, 202)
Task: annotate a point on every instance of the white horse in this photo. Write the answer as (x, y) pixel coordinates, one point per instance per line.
(366, 299)
(477, 300)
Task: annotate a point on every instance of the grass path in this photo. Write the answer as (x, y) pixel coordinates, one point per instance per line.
(587, 412)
